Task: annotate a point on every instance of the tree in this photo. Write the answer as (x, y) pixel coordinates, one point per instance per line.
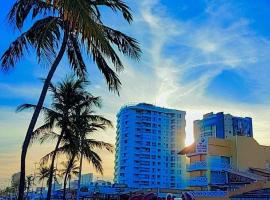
(28, 183)
(42, 175)
(70, 169)
(15, 180)
(68, 97)
(68, 26)
(7, 191)
(85, 124)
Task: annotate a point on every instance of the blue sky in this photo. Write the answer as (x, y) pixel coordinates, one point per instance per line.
(198, 56)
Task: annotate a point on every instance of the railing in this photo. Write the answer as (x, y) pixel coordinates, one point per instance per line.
(204, 165)
(218, 166)
(208, 193)
(199, 165)
(198, 181)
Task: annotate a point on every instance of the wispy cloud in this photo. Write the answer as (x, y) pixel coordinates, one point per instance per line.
(19, 91)
(175, 48)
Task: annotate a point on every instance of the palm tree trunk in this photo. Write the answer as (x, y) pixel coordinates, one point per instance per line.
(41, 189)
(36, 114)
(52, 166)
(27, 192)
(65, 186)
(79, 181)
(66, 176)
(69, 179)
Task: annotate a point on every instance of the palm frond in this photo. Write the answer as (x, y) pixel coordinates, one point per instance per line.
(94, 159)
(91, 143)
(48, 156)
(89, 101)
(111, 77)
(100, 119)
(15, 51)
(44, 36)
(32, 106)
(40, 132)
(48, 136)
(116, 5)
(75, 57)
(127, 45)
(25, 107)
(22, 8)
(19, 12)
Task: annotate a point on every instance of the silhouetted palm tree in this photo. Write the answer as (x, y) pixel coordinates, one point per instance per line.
(68, 26)
(65, 97)
(70, 169)
(29, 183)
(85, 126)
(42, 175)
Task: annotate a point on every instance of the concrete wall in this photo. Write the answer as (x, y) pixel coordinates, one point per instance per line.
(247, 152)
(219, 147)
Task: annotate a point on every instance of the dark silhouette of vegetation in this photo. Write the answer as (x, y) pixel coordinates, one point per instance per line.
(71, 112)
(70, 170)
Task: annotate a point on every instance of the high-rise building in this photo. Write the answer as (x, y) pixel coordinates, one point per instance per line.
(222, 126)
(147, 142)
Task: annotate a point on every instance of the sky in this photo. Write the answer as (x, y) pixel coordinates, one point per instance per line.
(199, 56)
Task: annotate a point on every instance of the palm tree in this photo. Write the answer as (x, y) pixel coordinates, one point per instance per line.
(79, 146)
(84, 126)
(68, 97)
(42, 175)
(68, 26)
(70, 169)
(29, 184)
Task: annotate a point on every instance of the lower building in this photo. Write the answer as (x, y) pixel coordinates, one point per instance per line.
(226, 164)
(86, 179)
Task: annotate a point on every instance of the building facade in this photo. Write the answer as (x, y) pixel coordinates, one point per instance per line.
(147, 142)
(222, 126)
(226, 164)
(86, 179)
(226, 157)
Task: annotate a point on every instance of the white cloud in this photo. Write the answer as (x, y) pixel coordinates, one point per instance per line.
(210, 45)
(213, 46)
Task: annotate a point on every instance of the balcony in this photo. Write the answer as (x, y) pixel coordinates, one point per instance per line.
(208, 165)
(199, 181)
(218, 166)
(199, 165)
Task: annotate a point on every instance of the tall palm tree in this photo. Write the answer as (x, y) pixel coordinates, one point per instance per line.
(70, 169)
(83, 128)
(67, 97)
(68, 26)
